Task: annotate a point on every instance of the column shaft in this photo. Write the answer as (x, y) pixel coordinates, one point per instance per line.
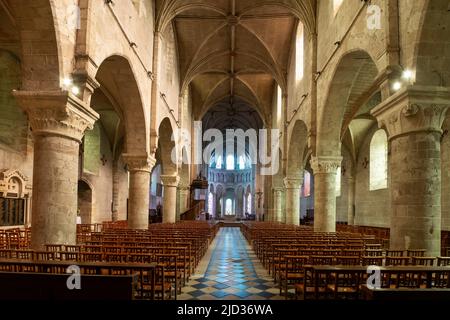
(170, 195)
(58, 120)
(277, 206)
(325, 169)
(293, 200)
(139, 166)
(416, 192)
(413, 119)
(139, 200)
(55, 183)
(351, 202)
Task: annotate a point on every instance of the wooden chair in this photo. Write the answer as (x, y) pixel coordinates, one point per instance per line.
(44, 255)
(314, 286)
(72, 248)
(115, 257)
(345, 285)
(348, 260)
(373, 253)
(5, 253)
(22, 254)
(443, 261)
(415, 253)
(171, 272)
(294, 272)
(397, 261)
(91, 257)
(321, 260)
(423, 261)
(372, 261)
(394, 253)
(69, 256)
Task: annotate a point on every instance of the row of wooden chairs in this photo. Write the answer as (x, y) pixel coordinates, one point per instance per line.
(292, 269)
(152, 282)
(325, 282)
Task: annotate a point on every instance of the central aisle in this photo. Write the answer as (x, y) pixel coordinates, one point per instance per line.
(230, 271)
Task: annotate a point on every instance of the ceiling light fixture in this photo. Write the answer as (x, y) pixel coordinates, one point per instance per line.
(407, 74)
(397, 86)
(75, 90)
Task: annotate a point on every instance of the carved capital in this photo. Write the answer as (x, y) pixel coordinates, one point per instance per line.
(184, 187)
(325, 164)
(170, 181)
(56, 113)
(414, 109)
(293, 183)
(139, 162)
(278, 191)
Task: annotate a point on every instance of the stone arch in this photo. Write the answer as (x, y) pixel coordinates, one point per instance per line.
(185, 170)
(167, 147)
(85, 201)
(41, 71)
(13, 121)
(119, 83)
(349, 89)
(430, 53)
(297, 149)
(239, 201)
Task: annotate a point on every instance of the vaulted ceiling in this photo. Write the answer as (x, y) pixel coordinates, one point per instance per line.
(234, 51)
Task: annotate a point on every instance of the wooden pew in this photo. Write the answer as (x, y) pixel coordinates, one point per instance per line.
(405, 294)
(151, 281)
(46, 286)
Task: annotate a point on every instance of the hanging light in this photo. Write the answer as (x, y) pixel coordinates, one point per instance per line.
(397, 86)
(75, 90)
(407, 75)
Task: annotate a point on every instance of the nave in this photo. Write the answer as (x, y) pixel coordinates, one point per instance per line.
(230, 271)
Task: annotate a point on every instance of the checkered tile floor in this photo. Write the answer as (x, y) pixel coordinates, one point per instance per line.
(233, 273)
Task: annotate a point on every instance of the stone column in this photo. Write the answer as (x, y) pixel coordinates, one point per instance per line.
(413, 119)
(115, 191)
(351, 201)
(58, 121)
(325, 169)
(170, 184)
(277, 205)
(293, 186)
(140, 167)
(184, 191)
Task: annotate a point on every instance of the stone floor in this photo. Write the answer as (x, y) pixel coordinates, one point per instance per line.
(230, 271)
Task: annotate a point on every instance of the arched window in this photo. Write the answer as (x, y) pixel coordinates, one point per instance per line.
(338, 182)
(229, 207)
(219, 163)
(299, 53)
(249, 203)
(230, 162)
(336, 5)
(279, 104)
(378, 161)
(307, 185)
(241, 163)
(210, 203)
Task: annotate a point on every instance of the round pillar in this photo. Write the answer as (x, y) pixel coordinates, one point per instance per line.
(293, 186)
(170, 184)
(325, 169)
(139, 167)
(59, 121)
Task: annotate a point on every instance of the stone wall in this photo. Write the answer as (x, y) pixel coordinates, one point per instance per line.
(372, 207)
(445, 172)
